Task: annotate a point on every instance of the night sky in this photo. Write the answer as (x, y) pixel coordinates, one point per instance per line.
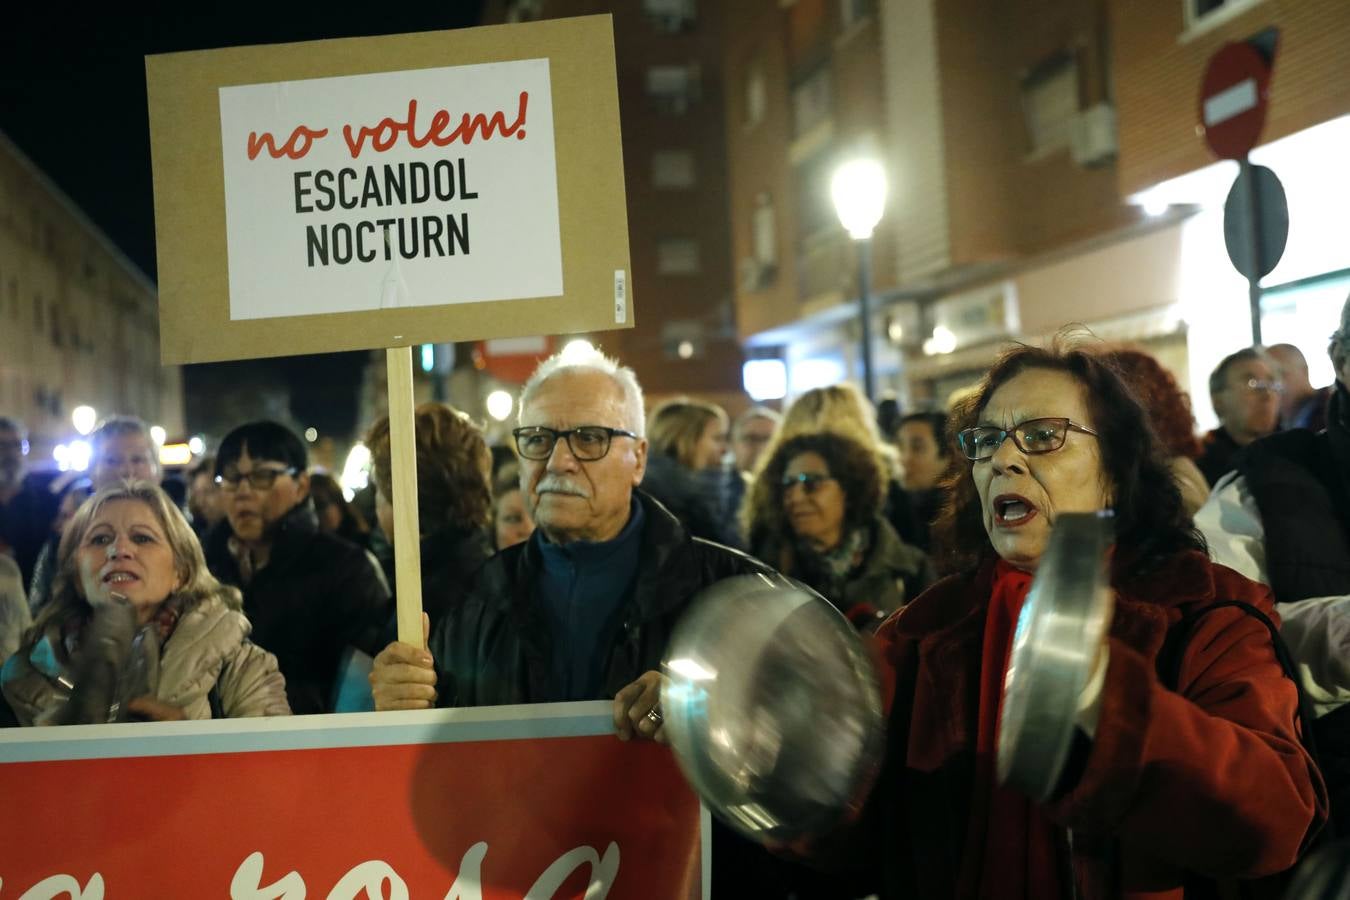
(72, 96)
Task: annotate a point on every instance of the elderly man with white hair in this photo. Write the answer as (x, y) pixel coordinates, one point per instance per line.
(1283, 518)
(587, 605)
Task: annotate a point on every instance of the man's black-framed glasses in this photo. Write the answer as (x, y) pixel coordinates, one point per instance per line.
(258, 479)
(587, 442)
(1032, 436)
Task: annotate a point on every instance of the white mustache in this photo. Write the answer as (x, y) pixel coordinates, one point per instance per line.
(555, 484)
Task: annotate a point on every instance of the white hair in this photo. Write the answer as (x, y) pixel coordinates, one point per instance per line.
(571, 360)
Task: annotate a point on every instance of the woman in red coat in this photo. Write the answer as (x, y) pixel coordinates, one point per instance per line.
(1171, 785)
(1207, 781)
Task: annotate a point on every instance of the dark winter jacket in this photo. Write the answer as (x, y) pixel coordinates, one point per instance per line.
(25, 524)
(1301, 484)
(1218, 453)
(316, 596)
(698, 499)
(493, 648)
(890, 573)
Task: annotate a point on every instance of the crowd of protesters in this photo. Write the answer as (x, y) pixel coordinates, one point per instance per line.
(554, 569)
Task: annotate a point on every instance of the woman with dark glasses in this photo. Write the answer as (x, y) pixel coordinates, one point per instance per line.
(815, 514)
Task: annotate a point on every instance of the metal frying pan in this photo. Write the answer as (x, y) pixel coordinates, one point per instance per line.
(1059, 631)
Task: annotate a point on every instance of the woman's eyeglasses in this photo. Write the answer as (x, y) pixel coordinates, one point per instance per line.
(810, 481)
(258, 479)
(1032, 436)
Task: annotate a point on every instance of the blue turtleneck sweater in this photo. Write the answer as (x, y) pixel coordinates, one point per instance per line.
(583, 587)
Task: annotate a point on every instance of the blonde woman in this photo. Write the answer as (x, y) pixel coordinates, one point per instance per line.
(687, 441)
(137, 627)
(838, 409)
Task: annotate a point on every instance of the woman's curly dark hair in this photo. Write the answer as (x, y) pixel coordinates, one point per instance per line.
(454, 467)
(851, 464)
(1151, 523)
(1169, 407)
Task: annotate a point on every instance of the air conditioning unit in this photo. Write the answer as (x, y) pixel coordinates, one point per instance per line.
(1092, 135)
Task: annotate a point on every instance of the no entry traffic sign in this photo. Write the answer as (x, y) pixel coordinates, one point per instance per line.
(1233, 100)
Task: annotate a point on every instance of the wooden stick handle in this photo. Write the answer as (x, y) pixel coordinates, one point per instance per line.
(403, 463)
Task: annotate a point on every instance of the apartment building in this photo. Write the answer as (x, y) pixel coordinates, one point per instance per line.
(1024, 143)
(1161, 50)
(669, 58)
(79, 322)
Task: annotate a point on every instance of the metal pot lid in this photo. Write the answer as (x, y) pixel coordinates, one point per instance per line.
(1059, 630)
(773, 708)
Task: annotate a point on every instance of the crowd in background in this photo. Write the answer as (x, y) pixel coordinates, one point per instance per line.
(253, 586)
(830, 491)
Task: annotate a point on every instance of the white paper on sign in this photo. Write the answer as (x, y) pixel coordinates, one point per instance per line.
(395, 189)
(1230, 102)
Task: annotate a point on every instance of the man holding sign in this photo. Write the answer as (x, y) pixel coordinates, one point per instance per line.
(587, 605)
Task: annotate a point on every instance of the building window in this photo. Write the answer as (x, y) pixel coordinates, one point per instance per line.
(764, 231)
(811, 102)
(673, 169)
(673, 89)
(677, 256)
(1050, 102)
(759, 270)
(1212, 12)
(815, 209)
(671, 16)
(523, 10)
(756, 94)
(851, 12)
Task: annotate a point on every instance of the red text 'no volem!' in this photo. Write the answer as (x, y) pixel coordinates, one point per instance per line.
(385, 134)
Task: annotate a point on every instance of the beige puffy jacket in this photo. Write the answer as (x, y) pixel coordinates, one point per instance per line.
(208, 648)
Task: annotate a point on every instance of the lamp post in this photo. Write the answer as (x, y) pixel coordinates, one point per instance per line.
(858, 189)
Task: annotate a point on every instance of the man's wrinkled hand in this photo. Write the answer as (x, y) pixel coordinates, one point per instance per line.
(637, 709)
(404, 676)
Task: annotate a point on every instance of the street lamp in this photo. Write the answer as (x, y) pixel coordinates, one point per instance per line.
(858, 190)
(84, 418)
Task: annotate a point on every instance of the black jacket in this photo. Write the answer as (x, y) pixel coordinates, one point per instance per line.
(700, 500)
(25, 524)
(317, 595)
(1300, 485)
(493, 648)
(1300, 481)
(451, 558)
(1218, 455)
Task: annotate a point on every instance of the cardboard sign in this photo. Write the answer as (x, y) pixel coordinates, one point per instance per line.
(381, 192)
(526, 801)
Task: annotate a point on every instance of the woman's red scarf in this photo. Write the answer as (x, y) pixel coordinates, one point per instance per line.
(1011, 845)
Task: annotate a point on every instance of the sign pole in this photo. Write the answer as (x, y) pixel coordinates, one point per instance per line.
(1254, 246)
(403, 463)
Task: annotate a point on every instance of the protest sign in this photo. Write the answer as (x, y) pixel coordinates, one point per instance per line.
(379, 192)
(525, 801)
(387, 191)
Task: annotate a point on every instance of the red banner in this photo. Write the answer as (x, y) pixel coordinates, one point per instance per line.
(534, 802)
